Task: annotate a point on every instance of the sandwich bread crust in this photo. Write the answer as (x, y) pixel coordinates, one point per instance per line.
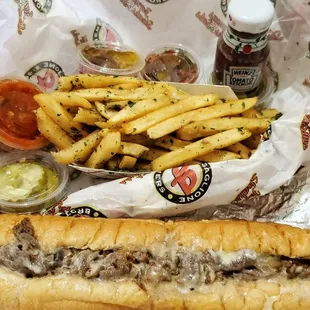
(73, 292)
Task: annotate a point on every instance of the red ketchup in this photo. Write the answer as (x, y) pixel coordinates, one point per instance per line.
(243, 50)
(18, 122)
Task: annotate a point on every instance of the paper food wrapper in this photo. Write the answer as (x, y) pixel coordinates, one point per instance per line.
(38, 41)
(188, 188)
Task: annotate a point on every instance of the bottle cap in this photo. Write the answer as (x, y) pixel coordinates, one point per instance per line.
(254, 16)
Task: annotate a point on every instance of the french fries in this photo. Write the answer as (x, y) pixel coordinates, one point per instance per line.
(152, 154)
(241, 150)
(104, 125)
(142, 124)
(127, 162)
(217, 156)
(199, 148)
(139, 139)
(108, 147)
(60, 116)
(108, 94)
(89, 117)
(107, 113)
(122, 123)
(71, 100)
(119, 105)
(250, 113)
(52, 132)
(268, 113)
(208, 127)
(79, 151)
(132, 149)
(125, 86)
(84, 81)
(143, 166)
(170, 143)
(253, 142)
(113, 163)
(177, 122)
(136, 110)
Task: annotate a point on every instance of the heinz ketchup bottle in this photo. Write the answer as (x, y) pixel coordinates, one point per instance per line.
(243, 49)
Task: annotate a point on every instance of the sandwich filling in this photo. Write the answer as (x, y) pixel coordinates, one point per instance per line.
(181, 265)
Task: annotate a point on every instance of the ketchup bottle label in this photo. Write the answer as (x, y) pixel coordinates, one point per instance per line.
(245, 46)
(242, 78)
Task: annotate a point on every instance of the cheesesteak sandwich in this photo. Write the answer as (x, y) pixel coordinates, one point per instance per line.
(75, 263)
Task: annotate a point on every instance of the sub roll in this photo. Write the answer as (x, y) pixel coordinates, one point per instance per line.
(51, 263)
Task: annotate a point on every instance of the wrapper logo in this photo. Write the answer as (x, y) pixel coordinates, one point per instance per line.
(306, 82)
(250, 190)
(184, 184)
(140, 11)
(305, 131)
(43, 6)
(45, 74)
(275, 35)
(129, 179)
(157, 1)
(224, 6)
(61, 210)
(108, 33)
(102, 32)
(268, 132)
(24, 11)
(212, 23)
(82, 212)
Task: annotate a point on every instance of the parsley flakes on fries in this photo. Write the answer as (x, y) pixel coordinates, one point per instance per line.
(122, 123)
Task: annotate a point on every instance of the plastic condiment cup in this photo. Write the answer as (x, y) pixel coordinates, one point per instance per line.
(16, 98)
(36, 203)
(189, 64)
(86, 66)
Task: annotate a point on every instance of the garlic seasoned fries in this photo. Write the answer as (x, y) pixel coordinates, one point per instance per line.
(122, 123)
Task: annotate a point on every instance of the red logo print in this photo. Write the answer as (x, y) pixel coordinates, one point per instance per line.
(48, 80)
(275, 35)
(140, 11)
(306, 82)
(111, 36)
(24, 11)
(45, 74)
(184, 177)
(129, 179)
(250, 190)
(212, 23)
(305, 131)
(184, 184)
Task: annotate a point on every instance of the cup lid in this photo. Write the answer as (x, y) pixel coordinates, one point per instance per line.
(253, 16)
(110, 58)
(172, 63)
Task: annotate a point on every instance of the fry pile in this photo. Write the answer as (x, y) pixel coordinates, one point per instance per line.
(122, 123)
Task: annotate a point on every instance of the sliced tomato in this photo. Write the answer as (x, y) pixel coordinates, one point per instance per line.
(18, 124)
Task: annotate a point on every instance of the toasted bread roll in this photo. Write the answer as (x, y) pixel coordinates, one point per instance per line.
(74, 263)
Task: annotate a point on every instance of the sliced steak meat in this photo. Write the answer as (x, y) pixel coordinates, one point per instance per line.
(24, 254)
(184, 266)
(139, 256)
(115, 265)
(196, 267)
